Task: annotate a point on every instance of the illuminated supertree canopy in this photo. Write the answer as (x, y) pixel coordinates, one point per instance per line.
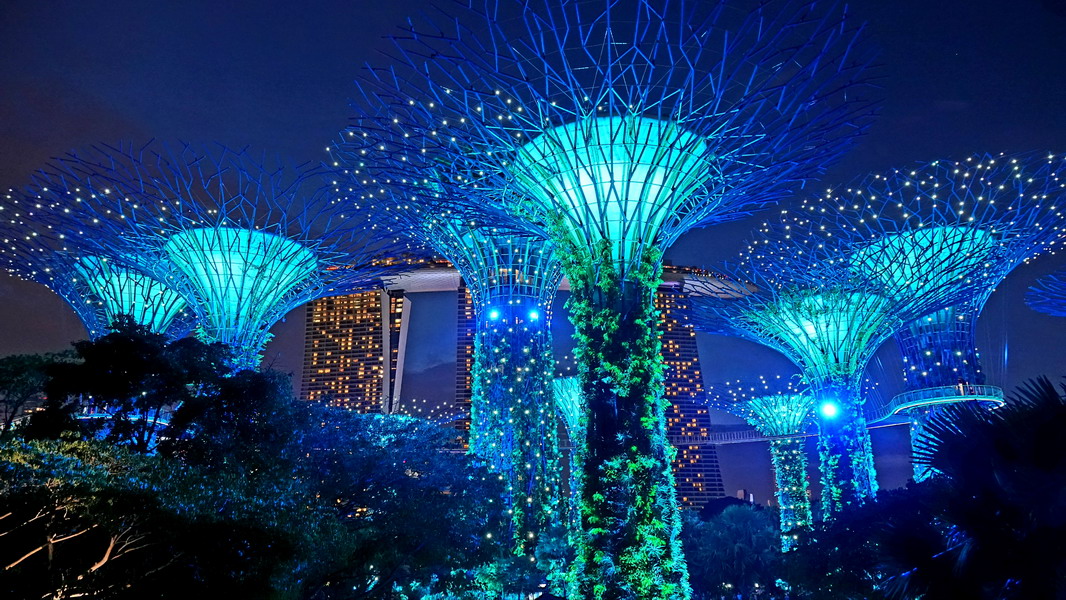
(612, 129)
(804, 297)
(947, 229)
(781, 409)
(512, 278)
(1049, 295)
(242, 241)
(98, 288)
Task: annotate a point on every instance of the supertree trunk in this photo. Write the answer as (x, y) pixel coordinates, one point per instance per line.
(790, 474)
(628, 547)
(939, 349)
(846, 456)
(512, 421)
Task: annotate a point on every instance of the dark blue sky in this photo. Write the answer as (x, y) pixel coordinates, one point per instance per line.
(959, 77)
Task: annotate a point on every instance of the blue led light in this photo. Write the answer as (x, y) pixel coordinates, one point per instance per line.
(494, 314)
(829, 410)
(534, 315)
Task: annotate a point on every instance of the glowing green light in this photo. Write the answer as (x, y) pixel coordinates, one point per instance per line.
(242, 278)
(614, 178)
(828, 333)
(127, 292)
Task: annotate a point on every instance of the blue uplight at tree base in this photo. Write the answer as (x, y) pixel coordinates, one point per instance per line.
(98, 290)
(781, 410)
(952, 231)
(1049, 295)
(611, 129)
(241, 240)
(804, 296)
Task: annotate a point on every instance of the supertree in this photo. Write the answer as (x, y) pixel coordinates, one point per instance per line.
(242, 241)
(946, 229)
(804, 297)
(612, 129)
(97, 287)
(781, 409)
(1049, 295)
(513, 278)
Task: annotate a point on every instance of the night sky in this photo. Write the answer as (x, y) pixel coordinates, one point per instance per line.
(959, 77)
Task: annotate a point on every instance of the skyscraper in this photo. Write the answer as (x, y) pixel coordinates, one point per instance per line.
(696, 470)
(348, 340)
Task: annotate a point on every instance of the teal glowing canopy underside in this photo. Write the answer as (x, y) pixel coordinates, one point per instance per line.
(617, 179)
(830, 334)
(124, 291)
(241, 279)
(932, 260)
(780, 414)
(567, 394)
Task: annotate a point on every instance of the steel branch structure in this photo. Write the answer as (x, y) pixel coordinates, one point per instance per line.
(94, 284)
(779, 408)
(612, 129)
(243, 242)
(806, 298)
(1049, 295)
(513, 278)
(947, 229)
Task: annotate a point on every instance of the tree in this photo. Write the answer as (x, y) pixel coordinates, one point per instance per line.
(1003, 488)
(132, 378)
(736, 552)
(415, 512)
(22, 381)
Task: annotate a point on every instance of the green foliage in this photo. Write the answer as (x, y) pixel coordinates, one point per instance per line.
(734, 552)
(845, 455)
(132, 376)
(413, 513)
(251, 494)
(87, 518)
(628, 546)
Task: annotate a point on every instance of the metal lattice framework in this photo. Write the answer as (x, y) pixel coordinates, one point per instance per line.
(779, 408)
(947, 229)
(950, 227)
(806, 298)
(513, 278)
(1049, 295)
(242, 241)
(611, 129)
(596, 123)
(99, 290)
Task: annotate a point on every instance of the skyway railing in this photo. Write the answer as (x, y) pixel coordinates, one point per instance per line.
(948, 394)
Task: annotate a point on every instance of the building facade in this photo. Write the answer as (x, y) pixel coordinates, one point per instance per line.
(354, 350)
